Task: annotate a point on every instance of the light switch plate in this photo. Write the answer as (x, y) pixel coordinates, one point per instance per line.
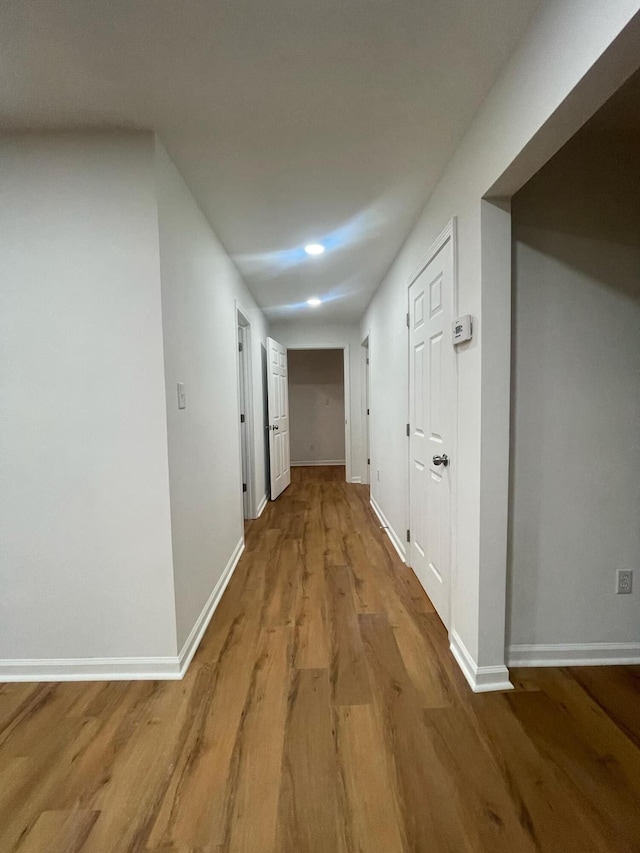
(182, 396)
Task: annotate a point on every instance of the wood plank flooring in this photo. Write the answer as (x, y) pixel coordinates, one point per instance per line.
(323, 713)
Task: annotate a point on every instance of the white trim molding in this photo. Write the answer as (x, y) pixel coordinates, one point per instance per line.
(482, 679)
(127, 668)
(318, 464)
(90, 669)
(197, 632)
(264, 501)
(356, 479)
(573, 654)
(391, 533)
(449, 232)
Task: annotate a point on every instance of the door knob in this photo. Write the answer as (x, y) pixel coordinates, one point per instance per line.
(275, 426)
(441, 460)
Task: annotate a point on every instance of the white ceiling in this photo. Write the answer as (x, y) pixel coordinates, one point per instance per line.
(291, 120)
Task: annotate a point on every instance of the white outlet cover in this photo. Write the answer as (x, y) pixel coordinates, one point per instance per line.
(624, 582)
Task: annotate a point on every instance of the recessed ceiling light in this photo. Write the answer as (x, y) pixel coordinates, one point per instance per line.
(314, 302)
(314, 249)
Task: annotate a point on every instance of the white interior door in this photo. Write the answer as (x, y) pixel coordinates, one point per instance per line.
(278, 418)
(367, 402)
(431, 412)
(243, 420)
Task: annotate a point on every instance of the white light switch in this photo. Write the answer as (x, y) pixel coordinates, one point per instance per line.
(182, 396)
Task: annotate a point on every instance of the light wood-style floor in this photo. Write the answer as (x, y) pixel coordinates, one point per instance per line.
(323, 712)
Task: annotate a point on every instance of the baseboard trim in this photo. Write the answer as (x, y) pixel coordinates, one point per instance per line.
(482, 679)
(574, 654)
(262, 505)
(356, 479)
(318, 464)
(127, 668)
(193, 640)
(391, 533)
(90, 669)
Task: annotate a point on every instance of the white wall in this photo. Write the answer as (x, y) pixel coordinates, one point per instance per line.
(316, 406)
(306, 335)
(86, 550)
(200, 291)
(119, 512)
(575, 471)
(526, 103)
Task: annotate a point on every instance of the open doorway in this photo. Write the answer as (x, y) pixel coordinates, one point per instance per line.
(317, 407)
(574, 533)
(245, 402)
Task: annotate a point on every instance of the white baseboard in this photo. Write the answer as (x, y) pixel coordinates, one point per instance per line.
(573, 654)
(90, 669)
(202, 622)
(482, 679)
(127, 668)
(356, 479)
(318, 464)
(397, 543)
(262, 505)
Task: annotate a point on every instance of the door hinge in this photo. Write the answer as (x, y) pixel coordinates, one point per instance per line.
(367, 411)
(244, 487)
(240, 347)
(368, 462)
(408, 430)
(241, 419)
(367, 361)
(407, 319)
(408, 535)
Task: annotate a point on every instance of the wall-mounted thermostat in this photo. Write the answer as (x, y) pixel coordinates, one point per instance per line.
(462, 329)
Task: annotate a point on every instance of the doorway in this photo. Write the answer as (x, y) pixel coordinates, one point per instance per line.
(574, 499)
(245, 405)
(317, 407)
(366, 409)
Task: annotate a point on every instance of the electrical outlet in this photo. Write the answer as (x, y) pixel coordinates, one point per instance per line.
(624, 582)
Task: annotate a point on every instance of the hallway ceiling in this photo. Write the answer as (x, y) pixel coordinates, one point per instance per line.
(292, 121)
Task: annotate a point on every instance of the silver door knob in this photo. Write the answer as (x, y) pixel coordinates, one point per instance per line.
(441, 460)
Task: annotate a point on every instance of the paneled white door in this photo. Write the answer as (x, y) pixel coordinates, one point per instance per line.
(244, 449)
(431, 412)
(278, 394)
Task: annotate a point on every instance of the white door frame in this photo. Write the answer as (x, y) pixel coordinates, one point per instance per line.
(246, 404)
(347, 398)
(450, 232)
(365, 382)
(244, 449)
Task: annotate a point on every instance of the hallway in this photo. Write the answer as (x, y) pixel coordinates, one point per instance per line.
(323, 712)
